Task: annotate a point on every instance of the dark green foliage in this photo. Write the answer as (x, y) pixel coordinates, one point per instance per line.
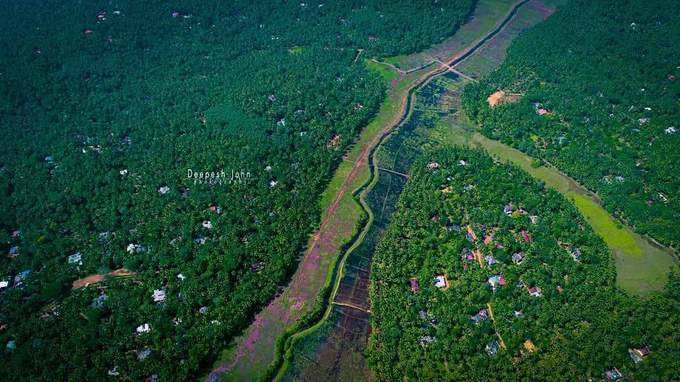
(100, 110)
(579, 332)
(608, 73)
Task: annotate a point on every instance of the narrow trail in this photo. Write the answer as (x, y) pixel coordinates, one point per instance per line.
(368, 153)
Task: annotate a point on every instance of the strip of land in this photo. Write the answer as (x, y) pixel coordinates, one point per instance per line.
(354, 294)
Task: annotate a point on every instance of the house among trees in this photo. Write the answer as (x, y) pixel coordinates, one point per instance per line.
(529, 346)
(441, 282)
(414, 284)
(490, 260)
(451, 227)
(467, 255)
(98, 302)
(518, 257)
(495, 281)
(158, 295)
(638, 354)
(508, 209)
(75, 258)
(432, 165)
(424, 340)
(482, 315)
(613, 374)
(471, 235)
(144, 328)
(535, 291)
(525, 236)
(492, 348)
(576, 254)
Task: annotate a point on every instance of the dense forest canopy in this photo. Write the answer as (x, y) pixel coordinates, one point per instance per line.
(599, 97)
(484, 274)
(107, 111)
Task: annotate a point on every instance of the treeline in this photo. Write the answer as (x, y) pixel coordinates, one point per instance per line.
(105, 109)
(599, 99)
(485, 274)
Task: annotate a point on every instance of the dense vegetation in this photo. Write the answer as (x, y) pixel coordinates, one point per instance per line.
(105, 109)
(600, 88)
(466, 218)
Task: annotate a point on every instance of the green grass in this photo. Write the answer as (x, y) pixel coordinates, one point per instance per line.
(383, 70)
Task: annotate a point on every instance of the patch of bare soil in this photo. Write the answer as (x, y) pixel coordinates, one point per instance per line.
(94, 279)
(500, 97)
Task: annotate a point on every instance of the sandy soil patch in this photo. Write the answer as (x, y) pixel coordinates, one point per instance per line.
(500, 97)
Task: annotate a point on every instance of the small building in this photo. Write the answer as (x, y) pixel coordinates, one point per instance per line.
(638, 354)
(518, 314)
(496, 281)
(163, 190)
(471, 234)
(75, 258)
(508, 209)
(529, 346)
(560, 289)
(467, 255)
(158, 295)
(143, 354)
(441, 282)
(533, 219)
(135, 248)
(432, 165)
(181, 277)
(480, 316)
(200, 240)
(414, 284)
(144, 328)
(518, 257)
(4, 284)
(526, 236)
(98, 302)
(207, 224)
(576, 254)
(613, 374)
(492, 348)
(257, 266)
(424, 340)
(19, 279)
(490, 260)
(450, 227)
(535, 291)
